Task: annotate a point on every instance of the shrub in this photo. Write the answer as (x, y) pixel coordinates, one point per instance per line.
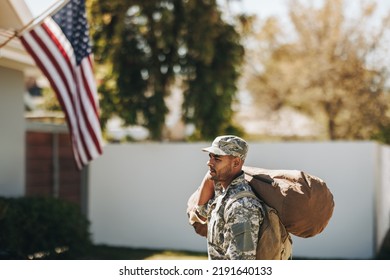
(384, 252)
(32, 227)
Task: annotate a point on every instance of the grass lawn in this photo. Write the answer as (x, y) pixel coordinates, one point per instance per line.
(103, 252)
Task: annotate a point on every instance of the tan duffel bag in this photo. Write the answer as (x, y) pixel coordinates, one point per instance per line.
(304, 202)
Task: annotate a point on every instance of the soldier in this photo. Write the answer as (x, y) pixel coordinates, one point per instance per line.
(232, 233)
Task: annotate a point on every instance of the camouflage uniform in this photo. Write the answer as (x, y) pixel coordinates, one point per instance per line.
(232, 233)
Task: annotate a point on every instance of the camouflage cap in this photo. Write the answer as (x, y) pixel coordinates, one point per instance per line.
(228, 145)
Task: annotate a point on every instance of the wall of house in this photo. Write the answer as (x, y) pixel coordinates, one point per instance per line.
(12, 124)
(138, 194)
(50, 166)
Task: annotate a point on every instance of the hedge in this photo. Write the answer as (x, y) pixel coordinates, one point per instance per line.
(38, 227)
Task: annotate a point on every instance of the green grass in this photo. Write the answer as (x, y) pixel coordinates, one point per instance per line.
(103, 252)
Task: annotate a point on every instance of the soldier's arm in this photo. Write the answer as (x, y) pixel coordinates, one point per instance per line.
(206, 190)
(243, 225)
(198, 214)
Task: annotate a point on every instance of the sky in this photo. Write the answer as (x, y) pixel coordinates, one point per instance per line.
(262, 8)
(279, 7)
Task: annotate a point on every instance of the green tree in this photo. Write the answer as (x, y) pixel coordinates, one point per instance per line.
(145, 48)
(328, 67)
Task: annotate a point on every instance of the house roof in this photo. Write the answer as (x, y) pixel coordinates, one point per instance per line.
(14, 16)
(14, 56)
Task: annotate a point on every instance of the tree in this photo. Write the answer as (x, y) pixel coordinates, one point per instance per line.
(328, 68)
(145, 48)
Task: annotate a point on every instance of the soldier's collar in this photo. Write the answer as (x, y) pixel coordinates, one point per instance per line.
(238, 180)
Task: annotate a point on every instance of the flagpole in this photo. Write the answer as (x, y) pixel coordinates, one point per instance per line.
(55, 7)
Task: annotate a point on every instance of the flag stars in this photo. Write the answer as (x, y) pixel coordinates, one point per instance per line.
(73, 22)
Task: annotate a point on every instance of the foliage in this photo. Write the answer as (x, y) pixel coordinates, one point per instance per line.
(211, 72)
(328, 67)
(50, 101)
(146, 48)
(32, 226)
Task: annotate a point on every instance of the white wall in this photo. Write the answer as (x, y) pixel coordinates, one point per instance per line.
(138, 194)
(12, 126)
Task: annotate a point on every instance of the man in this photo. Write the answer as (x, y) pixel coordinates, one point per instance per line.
(232, 231)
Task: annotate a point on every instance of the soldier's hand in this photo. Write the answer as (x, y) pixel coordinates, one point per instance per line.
(200, 229)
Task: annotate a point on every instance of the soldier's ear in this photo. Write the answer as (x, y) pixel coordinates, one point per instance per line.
(236, 162)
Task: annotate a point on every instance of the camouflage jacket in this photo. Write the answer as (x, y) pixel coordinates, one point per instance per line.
(236, 237)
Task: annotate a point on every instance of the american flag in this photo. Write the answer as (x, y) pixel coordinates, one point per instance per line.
(61, 48)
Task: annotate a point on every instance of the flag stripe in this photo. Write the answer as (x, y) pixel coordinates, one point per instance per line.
(55, 57)
(31, 46)
(69, 65)
(90, 116)
(88, 79)
(66, 61)
(59, 87)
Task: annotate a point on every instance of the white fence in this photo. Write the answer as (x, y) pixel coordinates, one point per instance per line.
(138, 194)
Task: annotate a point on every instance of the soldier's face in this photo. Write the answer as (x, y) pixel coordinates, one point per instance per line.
(220, 167)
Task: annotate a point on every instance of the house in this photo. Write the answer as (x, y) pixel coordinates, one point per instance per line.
(136, 190)
(14, 64)
(36, 158)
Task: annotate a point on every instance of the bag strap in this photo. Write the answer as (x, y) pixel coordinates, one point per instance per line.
(264, 209)
(236, 197)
